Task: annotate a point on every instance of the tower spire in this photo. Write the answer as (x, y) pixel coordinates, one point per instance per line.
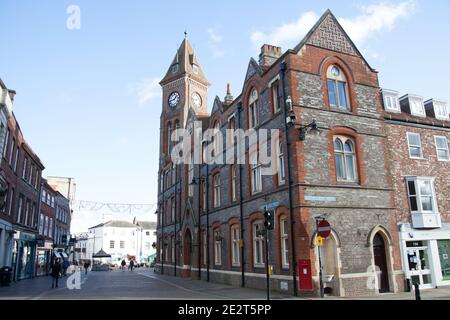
(228, 98)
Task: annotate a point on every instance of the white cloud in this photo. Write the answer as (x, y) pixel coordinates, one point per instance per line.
(215, 41)
(376, 18)
(146, 90)
(381, 17)
(286, 34)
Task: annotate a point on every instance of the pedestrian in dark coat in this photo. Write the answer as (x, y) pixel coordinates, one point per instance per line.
(86, 266)
(56, 271)
(131, 264)
(123, 263)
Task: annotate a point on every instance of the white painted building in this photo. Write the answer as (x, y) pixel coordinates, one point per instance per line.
(81, 245)
(146, 238)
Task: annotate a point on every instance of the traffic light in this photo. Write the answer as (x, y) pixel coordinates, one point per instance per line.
(269, 220)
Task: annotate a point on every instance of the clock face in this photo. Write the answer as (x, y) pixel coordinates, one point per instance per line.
(196, 100)
(174, 99)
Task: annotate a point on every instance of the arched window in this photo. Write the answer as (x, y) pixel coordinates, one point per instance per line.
(345, 159)
(337, 88)
(235, 245)
(253, 109)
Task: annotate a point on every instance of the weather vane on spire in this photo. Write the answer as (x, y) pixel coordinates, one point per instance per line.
(185, 34)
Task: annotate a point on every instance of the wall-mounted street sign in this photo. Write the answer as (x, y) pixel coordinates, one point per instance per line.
(324, 229)
(320, 199)
(270, 206)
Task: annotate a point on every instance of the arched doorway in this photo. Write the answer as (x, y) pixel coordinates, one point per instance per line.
(379, 253)
(330, 265)
(187, 252)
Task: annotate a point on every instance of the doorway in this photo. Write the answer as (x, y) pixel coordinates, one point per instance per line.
(187, 252)
(418, 264)
(379, 253)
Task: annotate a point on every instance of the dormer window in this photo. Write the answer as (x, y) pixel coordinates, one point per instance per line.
(390, 99)
(195, 69)
(413, 105)
(175, 68)
(440, 110)
(337, 88)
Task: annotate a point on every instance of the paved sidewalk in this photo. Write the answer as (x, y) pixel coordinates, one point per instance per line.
(36, 288)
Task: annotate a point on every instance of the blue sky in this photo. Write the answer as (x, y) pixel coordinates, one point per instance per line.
(88, 100)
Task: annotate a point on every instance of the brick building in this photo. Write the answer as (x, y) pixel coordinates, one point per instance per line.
(418, 132)
(47, 217)
(210, 215)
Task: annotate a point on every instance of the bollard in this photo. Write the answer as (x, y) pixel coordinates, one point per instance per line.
(417, 291)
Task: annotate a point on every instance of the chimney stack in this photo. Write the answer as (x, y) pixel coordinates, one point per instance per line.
(269, 54)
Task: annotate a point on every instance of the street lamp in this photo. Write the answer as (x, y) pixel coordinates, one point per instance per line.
(312, 127)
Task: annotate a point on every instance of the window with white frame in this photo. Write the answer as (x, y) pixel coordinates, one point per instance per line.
(337, 88)
(391, 102)
(442, 148)
(216, 185)
(440, 110)
(276, 96)
(217, 141)
(11, 200)
(50, 232)
(253, 109)
(414, 145)
(16, 160)
(46, 226)
(217, 247)
(421, 194)
(416, 106)
(44, 195)
(41, 224)
(235, 241)
(345, 159)
(281, 172)
(284, 243)
(111, 244)
(5, 148)
(233, 182)
(258, 244)
(256, 177)
(172, 209)
(24, 169)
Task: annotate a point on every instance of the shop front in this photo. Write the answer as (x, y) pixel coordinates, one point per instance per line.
(425, 255)
(43, 257)
(24, 252)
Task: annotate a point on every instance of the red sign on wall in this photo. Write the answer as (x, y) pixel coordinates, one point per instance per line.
(324, 229)
(305, 282)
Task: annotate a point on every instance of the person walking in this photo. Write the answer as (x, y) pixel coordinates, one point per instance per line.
(131, 265)
(86, 267)
(65, 266)
(56, 270)
(122, 264)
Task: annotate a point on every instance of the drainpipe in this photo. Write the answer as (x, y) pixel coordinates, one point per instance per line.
(199, 234)
(207, 223)
(283, 68)
(241, 202)
(176, 215)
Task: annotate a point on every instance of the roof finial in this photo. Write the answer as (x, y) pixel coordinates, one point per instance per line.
(228, 89)
(185, 34)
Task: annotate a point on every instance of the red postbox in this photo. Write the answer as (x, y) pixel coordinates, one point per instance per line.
(305, 282)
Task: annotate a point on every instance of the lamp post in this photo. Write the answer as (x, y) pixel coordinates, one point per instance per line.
(194, 182)
(312, 127)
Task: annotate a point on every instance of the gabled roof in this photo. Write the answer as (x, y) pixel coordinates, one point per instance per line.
(101, 254)
(115, 224)
(185, 58)
(217, 106)
(253, 68)
(326, 26)
(146, 225)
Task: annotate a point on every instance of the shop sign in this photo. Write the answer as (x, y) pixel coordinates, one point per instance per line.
(27, 236)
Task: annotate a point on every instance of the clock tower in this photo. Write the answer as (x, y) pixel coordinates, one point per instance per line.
(184, 87)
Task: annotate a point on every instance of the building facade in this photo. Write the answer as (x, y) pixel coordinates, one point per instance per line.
(6, 230)
(210, 216)
(146, 239)
(46, 229)
(418, 134)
